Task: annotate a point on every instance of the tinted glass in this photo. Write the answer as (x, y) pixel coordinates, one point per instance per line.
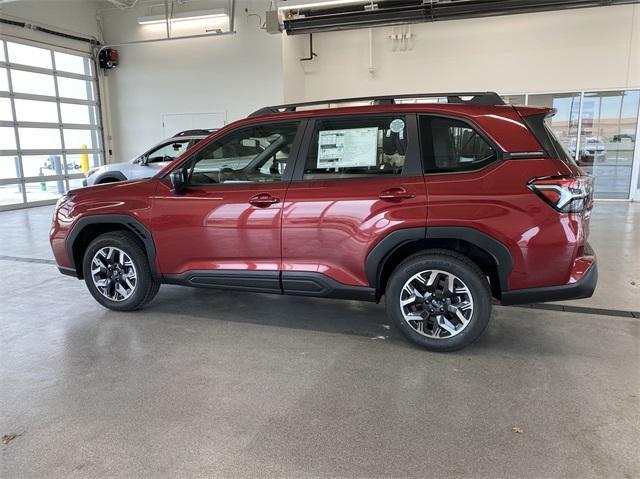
(168, 152)
(452, 145)
(249, 155)
(353, 147)
(564, 123)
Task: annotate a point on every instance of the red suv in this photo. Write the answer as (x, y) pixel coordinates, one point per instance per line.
(440, 207)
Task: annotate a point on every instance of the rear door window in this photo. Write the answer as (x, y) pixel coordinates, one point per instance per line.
(449, 145)
(356, 147)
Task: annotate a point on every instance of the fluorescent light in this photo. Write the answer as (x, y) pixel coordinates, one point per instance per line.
(184, 17)
(327, 4)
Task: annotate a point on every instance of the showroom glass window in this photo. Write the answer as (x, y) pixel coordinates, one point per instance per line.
(49, 119)
(598, 129)
(607, 140)
(357, 147)
(255, 154)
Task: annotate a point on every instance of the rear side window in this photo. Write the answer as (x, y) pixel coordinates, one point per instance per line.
(539, 126)
(355, 147)
(452, 145)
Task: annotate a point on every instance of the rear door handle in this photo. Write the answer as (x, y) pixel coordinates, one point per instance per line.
(263, 200)
(395, 194)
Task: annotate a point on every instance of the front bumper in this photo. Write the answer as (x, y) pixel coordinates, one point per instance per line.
(582, 288)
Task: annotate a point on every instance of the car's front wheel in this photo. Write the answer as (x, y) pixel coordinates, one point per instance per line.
(440, 300)
(117, 272)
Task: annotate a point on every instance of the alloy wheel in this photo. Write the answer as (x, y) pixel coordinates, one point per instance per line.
(113, 273)
(436, 304)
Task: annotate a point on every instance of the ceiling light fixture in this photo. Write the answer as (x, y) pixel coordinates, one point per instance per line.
(325, 4)
(184, 17)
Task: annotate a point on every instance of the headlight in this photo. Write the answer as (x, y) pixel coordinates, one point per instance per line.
(91, 172)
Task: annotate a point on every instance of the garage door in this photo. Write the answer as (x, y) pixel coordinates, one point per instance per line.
(49, 119)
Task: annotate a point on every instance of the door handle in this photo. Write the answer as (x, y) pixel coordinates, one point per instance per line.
(395, 194)
(263, 200)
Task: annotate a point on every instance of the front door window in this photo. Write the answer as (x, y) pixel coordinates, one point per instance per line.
(256, 154)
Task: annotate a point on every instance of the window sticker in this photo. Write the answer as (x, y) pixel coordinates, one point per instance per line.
(347, 148)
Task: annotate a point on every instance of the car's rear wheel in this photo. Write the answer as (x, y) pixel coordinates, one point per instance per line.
(117, 273)
(440, 300)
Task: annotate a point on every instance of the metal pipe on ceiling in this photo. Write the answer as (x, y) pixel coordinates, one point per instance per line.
(314, 18)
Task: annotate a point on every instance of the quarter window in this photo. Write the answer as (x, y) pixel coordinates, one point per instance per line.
(452, 145)
(257, 154)
(354, 147)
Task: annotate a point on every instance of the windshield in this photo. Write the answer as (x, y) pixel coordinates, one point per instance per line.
(168, 151)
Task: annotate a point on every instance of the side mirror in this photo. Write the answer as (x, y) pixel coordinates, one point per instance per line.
(179, 180)
(144, 160)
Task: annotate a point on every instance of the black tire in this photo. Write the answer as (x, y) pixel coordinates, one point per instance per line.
(450, 262)
(146, 286)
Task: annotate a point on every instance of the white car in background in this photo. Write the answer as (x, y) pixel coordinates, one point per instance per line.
(147, 164)
(592, 150)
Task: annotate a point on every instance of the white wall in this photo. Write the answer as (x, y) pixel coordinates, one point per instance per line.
(234, 73)
(550, 51)
(71, 16)
(567, 50)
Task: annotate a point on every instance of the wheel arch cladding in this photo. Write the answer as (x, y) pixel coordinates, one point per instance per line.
(90, 227)
(491, 256)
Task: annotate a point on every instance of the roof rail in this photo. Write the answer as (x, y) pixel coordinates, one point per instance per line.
(478, 98)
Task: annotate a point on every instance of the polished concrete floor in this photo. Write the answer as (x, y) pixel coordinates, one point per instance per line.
(224, 384)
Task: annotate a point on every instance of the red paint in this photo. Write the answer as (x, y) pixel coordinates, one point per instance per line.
(330, 226)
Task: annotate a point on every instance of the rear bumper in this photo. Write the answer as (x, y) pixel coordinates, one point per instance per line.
(582, 288)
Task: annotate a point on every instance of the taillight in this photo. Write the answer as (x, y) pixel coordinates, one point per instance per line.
(566, 194)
